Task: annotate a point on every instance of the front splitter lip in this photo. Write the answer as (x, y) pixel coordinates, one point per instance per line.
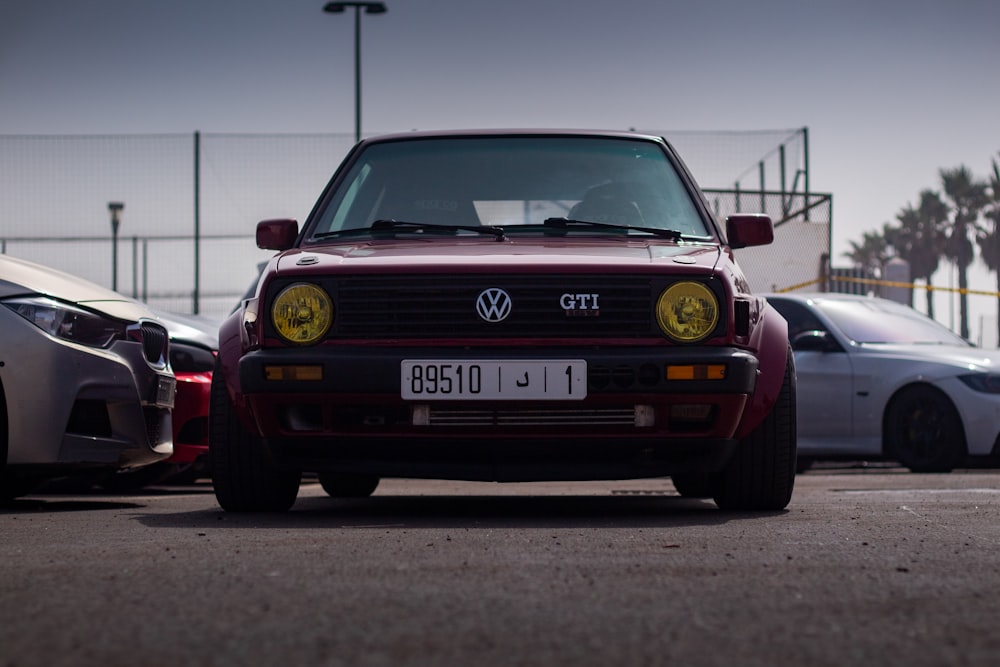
(504, 459)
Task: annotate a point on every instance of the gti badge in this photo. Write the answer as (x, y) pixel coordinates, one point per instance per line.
(493, 304)
(580, 305)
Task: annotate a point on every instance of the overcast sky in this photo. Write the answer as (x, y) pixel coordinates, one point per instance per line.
(891, 91)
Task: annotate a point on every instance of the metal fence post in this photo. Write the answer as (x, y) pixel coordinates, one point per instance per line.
(763, 197)
(135, 267)
(197, 222)
(785, 200)
(805, 166)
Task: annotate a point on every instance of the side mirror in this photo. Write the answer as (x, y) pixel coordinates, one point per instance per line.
(749, 229)
(277, 234)
(813, 341)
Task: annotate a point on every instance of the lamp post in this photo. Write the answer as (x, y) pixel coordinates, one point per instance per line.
(370, 8)
(116, 220)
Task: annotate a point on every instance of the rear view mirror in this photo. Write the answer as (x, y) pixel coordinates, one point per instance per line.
(277, 234)
(749, 229)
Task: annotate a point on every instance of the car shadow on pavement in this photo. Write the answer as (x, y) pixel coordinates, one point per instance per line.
(34, 504)
(465, 511)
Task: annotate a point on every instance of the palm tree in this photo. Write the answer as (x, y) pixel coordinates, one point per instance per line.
(967, 198)
(918, 239)
(989, 237)
(871, 253)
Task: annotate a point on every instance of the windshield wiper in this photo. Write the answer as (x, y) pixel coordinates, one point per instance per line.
(566, 223)
(406, 225)
(353, 231)
(390, 226)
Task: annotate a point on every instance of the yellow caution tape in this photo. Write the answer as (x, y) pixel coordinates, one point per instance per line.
(888, 283)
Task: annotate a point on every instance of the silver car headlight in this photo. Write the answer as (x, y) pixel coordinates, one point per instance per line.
(68, 322)
(986, 383)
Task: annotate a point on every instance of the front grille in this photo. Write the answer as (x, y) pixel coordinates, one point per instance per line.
(445, 306)
(155, 423)
(625, 377)
(154, 342)
(543, 417)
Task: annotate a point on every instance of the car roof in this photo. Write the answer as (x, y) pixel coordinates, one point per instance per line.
(495, 132)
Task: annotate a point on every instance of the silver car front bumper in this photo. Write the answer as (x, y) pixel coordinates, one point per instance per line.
(69, 405)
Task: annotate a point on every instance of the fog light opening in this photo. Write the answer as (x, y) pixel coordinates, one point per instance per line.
(645, 416)
(421, 415)
(690, 413)
(301, 418)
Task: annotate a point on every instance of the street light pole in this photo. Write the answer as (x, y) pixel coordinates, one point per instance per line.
(370, 8)
(115, 207)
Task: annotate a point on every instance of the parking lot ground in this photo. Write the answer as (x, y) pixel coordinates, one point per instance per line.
(869, 565)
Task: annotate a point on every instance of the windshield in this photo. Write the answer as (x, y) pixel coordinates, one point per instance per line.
(883, 321)
(512, 182)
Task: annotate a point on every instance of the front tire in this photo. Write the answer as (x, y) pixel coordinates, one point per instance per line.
(761, 473)
(244, 477)
(924, 430)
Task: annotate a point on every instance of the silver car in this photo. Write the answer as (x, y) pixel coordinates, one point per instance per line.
(85, 380)
(879, 380)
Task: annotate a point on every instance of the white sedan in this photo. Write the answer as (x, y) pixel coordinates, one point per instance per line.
(85, 380)
(879, 380)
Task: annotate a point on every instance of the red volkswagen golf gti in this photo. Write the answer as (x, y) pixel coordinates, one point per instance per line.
(507, 306)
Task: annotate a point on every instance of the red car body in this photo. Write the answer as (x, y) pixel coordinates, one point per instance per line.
(591, 345)
(193, 343)
(191, 413)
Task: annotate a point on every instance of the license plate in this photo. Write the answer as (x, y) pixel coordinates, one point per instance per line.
(491, 379)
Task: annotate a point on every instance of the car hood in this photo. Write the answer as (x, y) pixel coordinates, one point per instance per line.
(197, 329)
(441, 254)
(970, 358)
(19, 277)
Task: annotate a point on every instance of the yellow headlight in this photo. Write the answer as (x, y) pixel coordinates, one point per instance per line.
(687, 312)
(302, 313)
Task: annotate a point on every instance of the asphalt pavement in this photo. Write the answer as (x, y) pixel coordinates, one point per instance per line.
(867, 566)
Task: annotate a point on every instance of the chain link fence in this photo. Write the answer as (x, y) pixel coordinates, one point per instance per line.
(800, 253)
(191, 203)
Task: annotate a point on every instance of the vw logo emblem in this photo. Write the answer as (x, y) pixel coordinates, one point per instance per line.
(493, 304)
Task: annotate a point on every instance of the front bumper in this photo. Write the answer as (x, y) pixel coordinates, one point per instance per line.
(74, 406)
(633, 422)
(190, 417)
